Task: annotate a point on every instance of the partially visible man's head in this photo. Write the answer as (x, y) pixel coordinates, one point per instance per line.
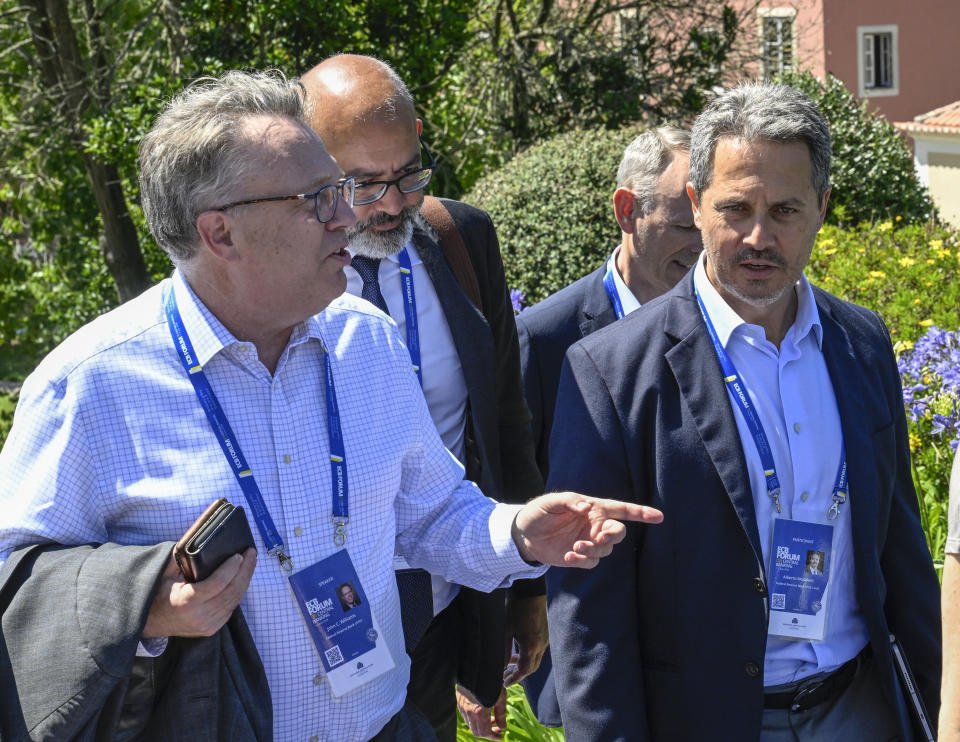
(660, 242)
(365, 115)
(198, 151)
(761, 112)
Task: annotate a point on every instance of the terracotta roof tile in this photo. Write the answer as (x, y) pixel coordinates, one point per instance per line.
(943, 120)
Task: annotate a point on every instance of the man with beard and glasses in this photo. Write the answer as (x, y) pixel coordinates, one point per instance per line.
(466, 356)
(764, 417)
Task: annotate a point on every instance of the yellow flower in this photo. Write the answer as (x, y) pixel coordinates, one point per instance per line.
(926, 322)
(914, 442)
(916, 301)
(877, 274)
(930, 261)
(826, 242)
(929, 283)
(906, 262)
(868, 281)
(899, 218)
(886, 226)
(860, 251)
(936, 244)
(943, 253)
(830, 251)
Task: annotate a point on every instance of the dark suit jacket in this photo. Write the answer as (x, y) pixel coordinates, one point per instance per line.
(546, 330)
(499, 446)
(71, 621)
(643, 414)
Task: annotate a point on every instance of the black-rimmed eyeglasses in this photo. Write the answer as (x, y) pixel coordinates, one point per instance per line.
(324, 199)
(369, 191)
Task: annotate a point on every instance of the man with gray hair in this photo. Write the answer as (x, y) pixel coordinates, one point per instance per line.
(658, 244)
(764, 417)
(247, 375)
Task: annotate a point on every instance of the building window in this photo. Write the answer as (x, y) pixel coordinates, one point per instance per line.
(877, 61)
(777, 40)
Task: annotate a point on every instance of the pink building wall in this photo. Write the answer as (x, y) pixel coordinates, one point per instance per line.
(826, 41)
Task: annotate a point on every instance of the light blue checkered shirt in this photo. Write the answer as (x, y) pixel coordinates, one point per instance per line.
(109, 443)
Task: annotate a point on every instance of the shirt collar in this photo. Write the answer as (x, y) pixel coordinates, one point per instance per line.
(627, 300)
(209, 336)
(725, 320)
(411, 251)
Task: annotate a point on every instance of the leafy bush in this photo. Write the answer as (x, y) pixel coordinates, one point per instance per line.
(873, 175)
(907, 274)
(553, 208)
(522, 725)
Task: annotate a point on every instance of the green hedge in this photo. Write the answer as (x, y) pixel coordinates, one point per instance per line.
(553, 208)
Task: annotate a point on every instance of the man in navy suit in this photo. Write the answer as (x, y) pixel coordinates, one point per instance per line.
(467, 361)
(762, 415)
(658, 244)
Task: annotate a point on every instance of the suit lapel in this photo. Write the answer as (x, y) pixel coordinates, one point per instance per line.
(597, 311)
(844, 370)
(700, 381)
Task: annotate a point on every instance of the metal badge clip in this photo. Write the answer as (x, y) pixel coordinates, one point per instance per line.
(340, 531)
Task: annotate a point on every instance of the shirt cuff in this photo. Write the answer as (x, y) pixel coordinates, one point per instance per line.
(508, 556)
(152, 647)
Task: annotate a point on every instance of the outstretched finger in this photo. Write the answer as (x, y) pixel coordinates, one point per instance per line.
(619, 510)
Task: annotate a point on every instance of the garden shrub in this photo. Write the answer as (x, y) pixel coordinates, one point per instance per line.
(909, 274)
(553, 208)
(872, 171)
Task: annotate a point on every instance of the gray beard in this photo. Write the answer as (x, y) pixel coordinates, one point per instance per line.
(376, 244)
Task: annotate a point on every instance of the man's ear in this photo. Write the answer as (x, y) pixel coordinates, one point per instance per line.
(624, 209)
(419, 127)
(695, 204)
(823, 208)
(214, 229)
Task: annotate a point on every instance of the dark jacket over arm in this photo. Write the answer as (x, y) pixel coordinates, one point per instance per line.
(71, 622)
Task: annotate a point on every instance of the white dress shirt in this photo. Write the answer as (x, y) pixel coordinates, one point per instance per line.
(794, 398)
(109, 443)
(628, 301)
(443, 384)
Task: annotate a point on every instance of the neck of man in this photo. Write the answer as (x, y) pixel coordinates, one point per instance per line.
(241, 318)
(775, 318)
(628, 270)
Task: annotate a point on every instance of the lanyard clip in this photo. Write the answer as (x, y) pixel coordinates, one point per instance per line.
(340, 531)
(286, 563)
(775, 496)
(838, 499)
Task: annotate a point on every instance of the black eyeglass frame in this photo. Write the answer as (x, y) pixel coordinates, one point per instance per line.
(342, 184)
(396, 181)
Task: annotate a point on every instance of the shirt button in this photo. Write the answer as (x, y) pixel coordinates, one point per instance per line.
(286, 458)
(298, 531)
(805, 496)
(315, 738)
(796, 427)
(317, 679)
(752, 669)
(758, 583)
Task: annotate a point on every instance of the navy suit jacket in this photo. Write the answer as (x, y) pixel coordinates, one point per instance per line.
(499, 447)
(546, 330)
(665, 639)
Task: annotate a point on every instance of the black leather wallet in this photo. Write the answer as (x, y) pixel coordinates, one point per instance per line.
(218, 534)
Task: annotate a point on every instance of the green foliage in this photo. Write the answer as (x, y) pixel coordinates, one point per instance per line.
(873, 175)
(8, 403)
(553, 208)
(522, 725)
(909, 274)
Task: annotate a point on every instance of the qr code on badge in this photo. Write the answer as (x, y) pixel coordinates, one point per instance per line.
(334, 656)
(778, 600)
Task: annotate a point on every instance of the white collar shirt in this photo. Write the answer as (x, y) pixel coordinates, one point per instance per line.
(794, 398)
(628, 301)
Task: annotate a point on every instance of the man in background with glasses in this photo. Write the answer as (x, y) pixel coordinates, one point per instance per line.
(468, 364)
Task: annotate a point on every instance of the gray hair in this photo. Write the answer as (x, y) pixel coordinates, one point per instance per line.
(196, 151)
(760, 111)
(645, 159)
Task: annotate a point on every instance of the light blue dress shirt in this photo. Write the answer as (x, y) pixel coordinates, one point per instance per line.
(109, 443)
(794, 398)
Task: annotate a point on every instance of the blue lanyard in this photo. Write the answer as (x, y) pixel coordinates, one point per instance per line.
(740, 394)
(611, 286)
(410, 312)
(231, 448)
